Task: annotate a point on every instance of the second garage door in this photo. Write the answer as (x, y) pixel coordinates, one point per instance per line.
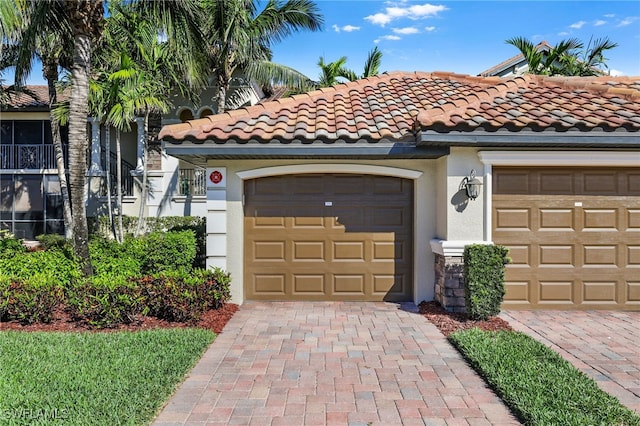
(573, 235)
(328, 237)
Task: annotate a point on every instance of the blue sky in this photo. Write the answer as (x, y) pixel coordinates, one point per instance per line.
(461, 36)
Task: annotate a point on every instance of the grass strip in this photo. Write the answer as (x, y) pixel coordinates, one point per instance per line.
(539, 386)
(119, 378)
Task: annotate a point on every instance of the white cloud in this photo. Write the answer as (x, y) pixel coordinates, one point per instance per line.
(599, 23)
(609, 15)
(628, 21)
(616, 73)
(406, 30)
(563, 34)
(387, 37)
(429, 29)
(346, 28)
(577, 25)
(414, 12)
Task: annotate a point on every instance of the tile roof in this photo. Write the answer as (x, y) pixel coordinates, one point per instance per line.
(32, 97)
(394, 107)
(541, 103)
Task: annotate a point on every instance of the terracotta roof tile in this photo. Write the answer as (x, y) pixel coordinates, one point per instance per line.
(31, 97)
(394, 106)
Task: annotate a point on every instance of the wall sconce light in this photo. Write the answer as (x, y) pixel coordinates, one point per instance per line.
(471, 185)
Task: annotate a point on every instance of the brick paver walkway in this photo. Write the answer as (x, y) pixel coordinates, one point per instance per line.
(335, 363)
(605, 345)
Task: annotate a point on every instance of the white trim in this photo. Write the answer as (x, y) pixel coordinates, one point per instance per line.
(452, 248)
(329, 168)
(560, 158)
(488, 199)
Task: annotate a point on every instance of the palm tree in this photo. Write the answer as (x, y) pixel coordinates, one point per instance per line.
(333, 70)
(85, 19)
(28, 40)
(239, 38)
(565, 58)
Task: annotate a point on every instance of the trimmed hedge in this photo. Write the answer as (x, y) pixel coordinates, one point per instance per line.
(484, 279)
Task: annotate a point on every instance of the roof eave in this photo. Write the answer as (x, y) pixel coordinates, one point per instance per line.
(576, 139)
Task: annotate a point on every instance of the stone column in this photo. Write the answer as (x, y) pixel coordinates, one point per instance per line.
(217, 217)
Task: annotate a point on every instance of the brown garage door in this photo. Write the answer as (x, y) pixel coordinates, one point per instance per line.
(573, 235)
(328, 237)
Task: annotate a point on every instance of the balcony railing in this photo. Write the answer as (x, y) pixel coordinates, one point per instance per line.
(29, 157)
(192, 182)
(127, 179)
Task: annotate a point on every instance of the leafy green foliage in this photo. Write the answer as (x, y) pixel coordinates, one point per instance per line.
(484, 279)
(10, 245)
(93, 378)
(111, 258)
(536, 383)
(28, 303)
(53, 267)
(178, 296)
(167, 251)
(54, 241)
(105, 301)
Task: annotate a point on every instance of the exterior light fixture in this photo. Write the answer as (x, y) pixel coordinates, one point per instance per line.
(471, 185)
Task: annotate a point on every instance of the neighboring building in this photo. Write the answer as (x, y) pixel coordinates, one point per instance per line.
(30, 198)
(357, 192)
(514, 66)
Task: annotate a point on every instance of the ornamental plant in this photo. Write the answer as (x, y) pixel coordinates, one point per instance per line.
(484, 279)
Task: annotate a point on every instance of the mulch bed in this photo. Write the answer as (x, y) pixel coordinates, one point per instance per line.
(214, 319)
(449, 322)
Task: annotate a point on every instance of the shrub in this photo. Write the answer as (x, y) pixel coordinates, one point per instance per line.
(108, 257)
(179, 296)
(484, 279)
(51, 267)
(167, 251)
(28, 302)
(53, 241)
(10, 245)
(105, 301)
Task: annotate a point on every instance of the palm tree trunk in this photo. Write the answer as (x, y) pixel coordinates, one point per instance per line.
(107, 166)
(78, 111)
(51, 74)
(119, 234)
(143, 197)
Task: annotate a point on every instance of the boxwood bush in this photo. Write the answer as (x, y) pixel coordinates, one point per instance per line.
(484, 279)
(166, 251)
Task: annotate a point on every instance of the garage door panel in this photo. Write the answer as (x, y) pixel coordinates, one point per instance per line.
(598, 256)
(269, 251)
(308, 251)
(557, 219)
(346, 243)
(512, 219)
(311, 284)
(573, 237)
(633, 292)
(557, 256)
(599, 292)
(633, 220)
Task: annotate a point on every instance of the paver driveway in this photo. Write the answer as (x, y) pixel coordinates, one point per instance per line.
(605, 345)
(316, 363)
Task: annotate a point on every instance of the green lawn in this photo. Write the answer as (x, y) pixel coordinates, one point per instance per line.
(93, 378)
(538, 385)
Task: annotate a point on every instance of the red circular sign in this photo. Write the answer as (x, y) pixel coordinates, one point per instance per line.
(215, 177)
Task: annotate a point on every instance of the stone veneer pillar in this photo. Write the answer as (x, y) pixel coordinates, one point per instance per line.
(449, 273)
(449, 291)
